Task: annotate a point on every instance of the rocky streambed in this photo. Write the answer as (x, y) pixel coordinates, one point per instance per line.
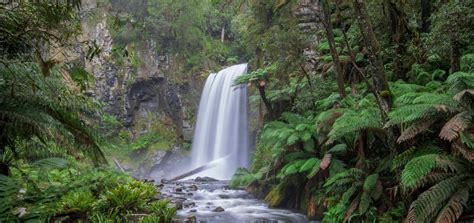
(210, 201)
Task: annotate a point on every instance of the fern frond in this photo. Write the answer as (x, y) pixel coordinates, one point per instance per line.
(411, 113)
(415, 129)
(461, 81)
(454, 207)
(365, 201)
(9, 188)
(417, 168)
(403, 158)
(370, 182)
(460, 95)
(338, 148)
(354, 121)
(455, 126)
(425, 207)
(51, 163)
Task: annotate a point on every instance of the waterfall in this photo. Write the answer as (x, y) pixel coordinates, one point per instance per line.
(221, 131)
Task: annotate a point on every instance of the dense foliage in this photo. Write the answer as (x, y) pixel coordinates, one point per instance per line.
(51, 164)
(365, 106)
(380, 128)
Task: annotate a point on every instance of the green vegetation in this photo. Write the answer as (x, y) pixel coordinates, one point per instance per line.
(380, 129)
(52, 167)
(365, 113)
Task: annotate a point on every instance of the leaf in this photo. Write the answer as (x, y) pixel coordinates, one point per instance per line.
(338, 148)
(315, 170)
(292, 139)
(370, 182)
(309, 164)
(365, 202)
(325, 161)
(51, 163)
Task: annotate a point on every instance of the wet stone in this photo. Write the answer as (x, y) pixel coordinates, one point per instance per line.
(193, 187)
(189, 204)
(204, 179)
(224, 196)
(218, 209)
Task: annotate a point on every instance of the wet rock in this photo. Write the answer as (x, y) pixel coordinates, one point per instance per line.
(191, 219)
(224, 196)
(218, 209)
(160, 185)
(193, 187)
(204, 179)
(189, 204)
(178, 206)
(179, 189)
(190, 194)
(193, 210)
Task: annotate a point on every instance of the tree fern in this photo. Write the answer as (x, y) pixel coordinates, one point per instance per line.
(35, 109)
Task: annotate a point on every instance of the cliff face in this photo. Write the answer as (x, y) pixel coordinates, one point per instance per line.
(134, 82)
(138, 86)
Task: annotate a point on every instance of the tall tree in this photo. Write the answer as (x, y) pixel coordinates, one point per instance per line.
(373, 51)
(326, 18)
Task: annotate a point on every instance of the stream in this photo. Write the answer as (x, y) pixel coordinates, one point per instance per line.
(210, 201)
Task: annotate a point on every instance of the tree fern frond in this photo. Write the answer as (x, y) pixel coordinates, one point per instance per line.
(354, 121)
(309, 164)
(460, 81)
(51, 163)
(403, 158)
(9, 188)
(459, 147)
(455, 126)
(461, 94)
(454, 207)
(339, 148)
(370, 182)
(428, 203)
(410, 113)
(436, 99)
(417, 168)
(415, 129)
(365, 201)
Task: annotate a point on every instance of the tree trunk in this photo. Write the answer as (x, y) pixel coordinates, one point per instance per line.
(425, 15)
(399, 30)
(326, 12)
(378, 72)
(455, 55)
(223, 33)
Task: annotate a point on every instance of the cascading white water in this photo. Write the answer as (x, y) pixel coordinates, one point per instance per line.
(221, 131)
